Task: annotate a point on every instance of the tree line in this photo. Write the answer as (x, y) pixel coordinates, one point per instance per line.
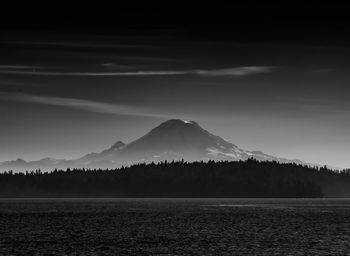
(250, 178)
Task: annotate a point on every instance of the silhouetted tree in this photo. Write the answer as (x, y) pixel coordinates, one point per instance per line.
(250, 178)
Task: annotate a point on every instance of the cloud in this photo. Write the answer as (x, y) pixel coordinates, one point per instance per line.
(101, 107)
(235, 71)
(82, 44)
(110, 65)
(113, 67)
(81, 104)
(19, 67)
(146, 58)
(131, 73)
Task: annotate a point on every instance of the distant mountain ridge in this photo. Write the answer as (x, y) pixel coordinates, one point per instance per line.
(174, 139)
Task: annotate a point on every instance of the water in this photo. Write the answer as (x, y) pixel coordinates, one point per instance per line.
(175, 227)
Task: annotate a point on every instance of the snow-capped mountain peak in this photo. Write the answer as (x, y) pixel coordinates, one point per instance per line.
(174, 139)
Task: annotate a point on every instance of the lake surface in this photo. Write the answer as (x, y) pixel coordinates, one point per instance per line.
(174, 227)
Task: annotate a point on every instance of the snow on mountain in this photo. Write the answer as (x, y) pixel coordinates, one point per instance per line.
(174, 139)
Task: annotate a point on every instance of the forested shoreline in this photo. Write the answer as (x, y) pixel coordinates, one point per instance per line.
(224, 179)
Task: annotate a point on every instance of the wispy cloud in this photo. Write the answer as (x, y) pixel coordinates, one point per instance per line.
(19, 67)
(81, 104)
(111, 65)
(103, 107)
(235, 71)
(131, 73)
(146, 58)
(86, 45)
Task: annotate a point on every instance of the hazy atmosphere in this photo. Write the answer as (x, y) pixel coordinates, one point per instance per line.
(67, 91)
(64, 96)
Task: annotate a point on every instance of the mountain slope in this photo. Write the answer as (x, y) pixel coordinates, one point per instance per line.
(180, 139)
(172, 140)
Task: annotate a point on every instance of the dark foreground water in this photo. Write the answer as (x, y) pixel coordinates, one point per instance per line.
(175, 227)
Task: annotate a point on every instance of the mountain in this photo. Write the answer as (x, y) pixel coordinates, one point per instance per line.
(172, 140)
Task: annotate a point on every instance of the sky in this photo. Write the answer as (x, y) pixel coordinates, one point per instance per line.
(275, 83)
